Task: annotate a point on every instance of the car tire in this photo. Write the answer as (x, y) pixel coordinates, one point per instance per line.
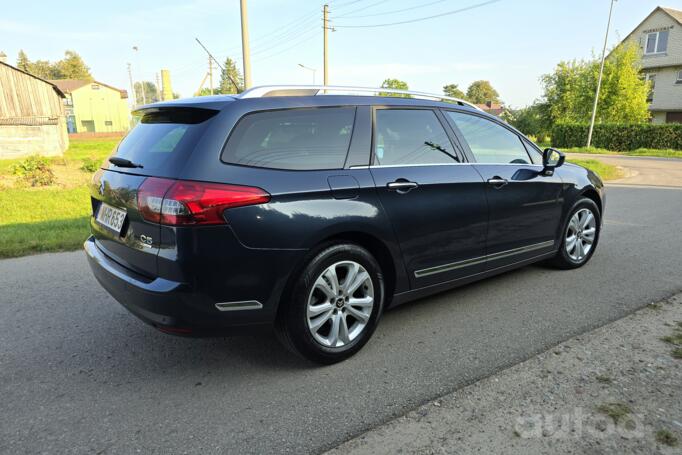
(582, 225)
(327, 316)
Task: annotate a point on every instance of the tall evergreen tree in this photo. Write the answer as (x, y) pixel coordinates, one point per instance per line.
(230, 71)
(23, 63)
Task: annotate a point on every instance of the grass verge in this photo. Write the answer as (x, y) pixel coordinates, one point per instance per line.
(605, 171)
(51, 218)
(42, 220)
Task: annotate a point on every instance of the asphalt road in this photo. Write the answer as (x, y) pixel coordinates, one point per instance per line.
(78, 374)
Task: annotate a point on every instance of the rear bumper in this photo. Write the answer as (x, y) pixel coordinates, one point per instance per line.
(176, 307)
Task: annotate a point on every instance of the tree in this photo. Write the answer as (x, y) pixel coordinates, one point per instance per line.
(532, 120)
(72, 66)
(569, 91)
(230, 71)
(23, 62)
(481, 92)
(395, 84)
(453, 91)
(43, 69)
(151, 94)
(206, 91)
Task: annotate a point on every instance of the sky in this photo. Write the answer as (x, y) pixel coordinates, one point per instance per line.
(508, 42)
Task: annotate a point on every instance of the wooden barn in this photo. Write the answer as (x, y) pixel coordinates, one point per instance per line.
(32, 118)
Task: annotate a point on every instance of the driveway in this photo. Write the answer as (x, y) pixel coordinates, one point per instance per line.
(642, 170)
(78, 374)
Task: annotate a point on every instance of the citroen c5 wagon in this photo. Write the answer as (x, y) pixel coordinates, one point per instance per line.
(311, 211)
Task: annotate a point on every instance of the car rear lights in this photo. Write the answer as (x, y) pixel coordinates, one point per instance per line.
(182, 202)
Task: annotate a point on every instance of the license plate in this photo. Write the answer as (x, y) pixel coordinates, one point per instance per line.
(111, 217)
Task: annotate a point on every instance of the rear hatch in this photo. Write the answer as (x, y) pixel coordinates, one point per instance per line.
(126, 195)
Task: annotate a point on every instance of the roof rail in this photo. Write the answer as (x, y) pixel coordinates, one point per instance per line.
(313, 90)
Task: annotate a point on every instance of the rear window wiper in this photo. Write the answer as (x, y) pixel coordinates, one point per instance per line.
(122, 162)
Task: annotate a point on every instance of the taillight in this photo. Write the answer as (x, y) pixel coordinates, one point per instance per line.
(181, 202)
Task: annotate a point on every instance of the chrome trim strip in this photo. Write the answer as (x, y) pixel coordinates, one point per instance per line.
(478, 260)
(239, 306)
(373, 166)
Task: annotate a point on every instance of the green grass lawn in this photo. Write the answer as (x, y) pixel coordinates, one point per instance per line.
(605, 171)
(40, 220)
(53, 218)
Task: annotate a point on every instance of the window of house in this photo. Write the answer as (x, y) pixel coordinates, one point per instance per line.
(679, 77)
(490, 142)
(94, 87)
(657, 42)
(295, 139)
(108, 123)
(409, 137)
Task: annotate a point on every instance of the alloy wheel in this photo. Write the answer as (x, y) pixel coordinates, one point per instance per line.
(340, 304)
(580, 234)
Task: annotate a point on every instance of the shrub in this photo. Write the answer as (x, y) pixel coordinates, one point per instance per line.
(619, 136)
(35, 170)
(90, 165)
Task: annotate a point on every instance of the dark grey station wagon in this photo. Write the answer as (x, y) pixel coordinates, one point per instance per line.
(313, 209)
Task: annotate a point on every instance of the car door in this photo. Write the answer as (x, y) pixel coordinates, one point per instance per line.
(524, 203)
(435, 203)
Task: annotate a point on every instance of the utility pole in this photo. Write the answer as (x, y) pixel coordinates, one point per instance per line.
(236, 86)
(132, 85)
(210, 74)
(136, 49)
(246, 54)
(325, 26)
(158, 88)
(601, 73)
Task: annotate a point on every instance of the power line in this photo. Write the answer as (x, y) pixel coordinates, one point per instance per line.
(410, 21)
(298, 43)
(371, 5)
(383, 13)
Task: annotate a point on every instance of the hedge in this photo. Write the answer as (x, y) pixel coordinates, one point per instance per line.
(619, 136)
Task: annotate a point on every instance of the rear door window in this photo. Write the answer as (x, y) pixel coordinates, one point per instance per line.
(293, 139)
(163, 137)
(410, 137)
(488, 141)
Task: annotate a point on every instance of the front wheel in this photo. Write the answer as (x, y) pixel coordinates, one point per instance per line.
(579, 236)
(335, 305)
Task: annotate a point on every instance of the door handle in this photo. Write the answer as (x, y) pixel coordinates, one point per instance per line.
(402, 186)
(497, 182)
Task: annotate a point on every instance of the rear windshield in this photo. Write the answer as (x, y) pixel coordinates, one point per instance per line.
(163, 137)
(296, 139)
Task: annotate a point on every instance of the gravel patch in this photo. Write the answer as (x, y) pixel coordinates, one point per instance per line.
(614, 390)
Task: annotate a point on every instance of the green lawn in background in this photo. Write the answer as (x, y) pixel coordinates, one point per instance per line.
(40, 220)
(605, 171)
(54, 218)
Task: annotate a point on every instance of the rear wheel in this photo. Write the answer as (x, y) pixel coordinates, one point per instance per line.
(335, 305)
(580, 236)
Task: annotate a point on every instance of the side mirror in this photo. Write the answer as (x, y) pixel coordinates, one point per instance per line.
(551, 159)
